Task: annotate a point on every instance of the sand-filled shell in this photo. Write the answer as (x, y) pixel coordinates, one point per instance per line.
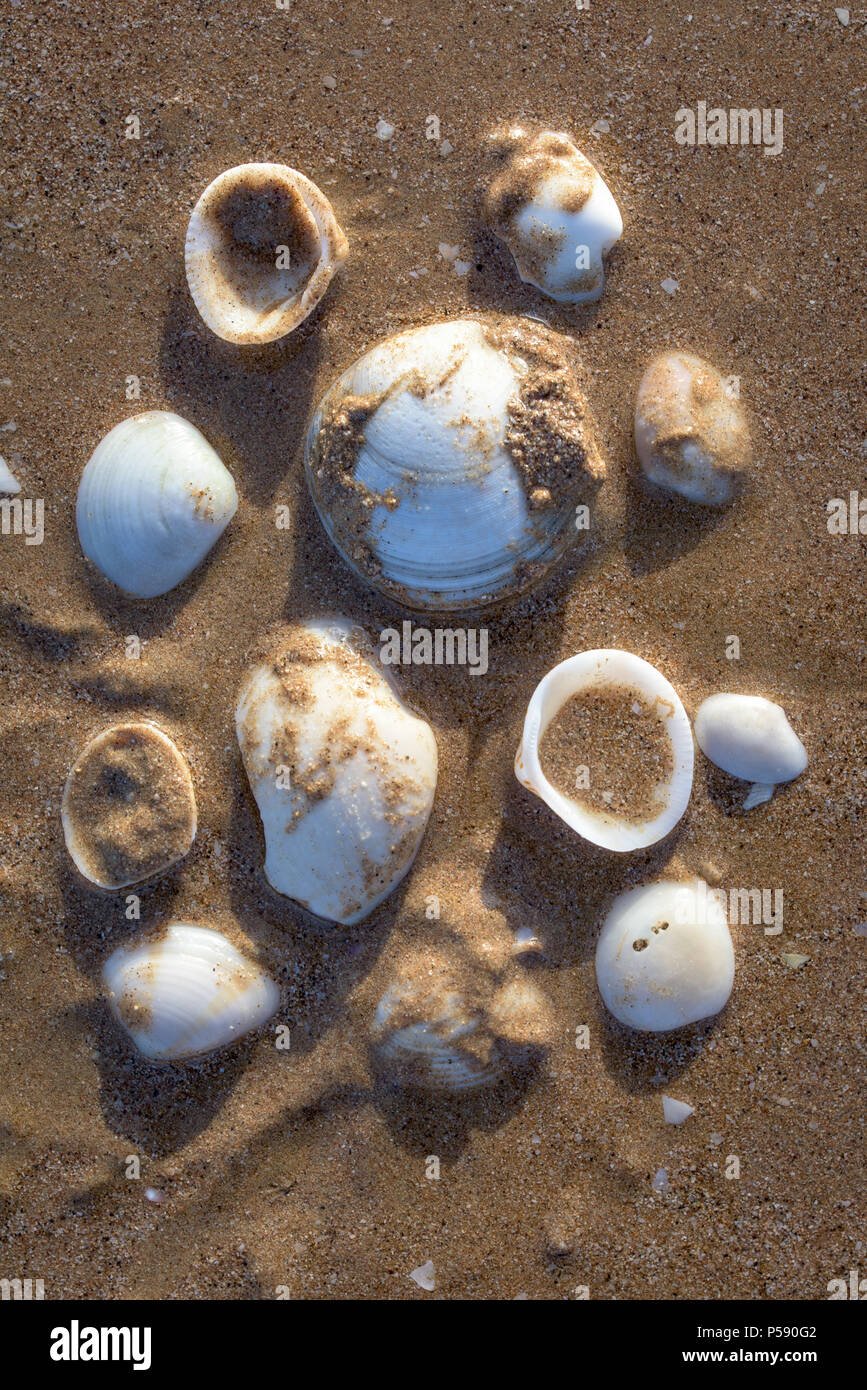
(343, 773)
(616, 676)
(691, 435)
(553, 210)
(129, 807)
(152, 501)
(447, 1024)
(447, 463)
(187, 993)
(262, 246)
(749, 737)
(664, 957)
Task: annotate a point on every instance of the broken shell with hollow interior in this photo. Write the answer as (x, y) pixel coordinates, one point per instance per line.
(691, 435)
(153, 499)
(343, 772)
(446, 1023)
(446, 465)
(187, 993)
(262, 246)
(664, 957)
(554, 211)
(620, 673)
(749, 737)
(129, 808)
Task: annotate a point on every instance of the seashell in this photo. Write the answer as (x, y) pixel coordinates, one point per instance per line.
(343, 773)
(664, 957)
(152, 501)
(262, 245)
(554, 211)
(691, 436)
(448, 1024)
(187, 993)
(651, 791)
(129, 808)
(447, 463)
(749, 737)
(8, 482)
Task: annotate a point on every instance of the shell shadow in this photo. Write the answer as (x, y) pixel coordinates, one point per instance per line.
(642, 1063)
(495, 285)
(233, 394)
(430, 1125)
(661, 528)
(726, 792)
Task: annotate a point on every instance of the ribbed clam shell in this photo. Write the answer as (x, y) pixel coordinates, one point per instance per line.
(153, 499)
(343, 773)
(189, 993)
(749, 737)
(691, 436)
(684, 964)
(554, 211)
(262, 246)
(439, 1029)
(579, 673)
(447, 463)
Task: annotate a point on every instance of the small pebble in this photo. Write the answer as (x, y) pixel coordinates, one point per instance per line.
(384, 130)
(330, 83)
(424, 1276)
(670, 286)
(676, 1111)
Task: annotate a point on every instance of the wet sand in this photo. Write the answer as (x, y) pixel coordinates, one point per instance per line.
(293, 1169)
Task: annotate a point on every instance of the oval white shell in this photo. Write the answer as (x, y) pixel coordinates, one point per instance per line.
(685, 970)
(555, 212)
(434, 508)
(749, 737)
(246, 298)
(565, 680)
(691, 436)
(152, 501)
(441, 1029)
(343, 773)
(189, 993)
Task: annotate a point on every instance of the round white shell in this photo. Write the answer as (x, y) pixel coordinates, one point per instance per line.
(448, 522)
(686, 968)
(152, 501)
(338, 852)
(749, 737)
(621, 668)
(438, 1029)
(691, 436)
(263, 299)
(558, 235)
(189, 993)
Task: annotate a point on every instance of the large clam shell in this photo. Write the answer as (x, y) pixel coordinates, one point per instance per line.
(608, 666)
(153, 499)
(447, 463)
(262, 246)
(664, 957)
(343, 773)
(187, 993)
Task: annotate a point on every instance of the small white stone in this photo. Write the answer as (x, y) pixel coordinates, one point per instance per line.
(660, 1181)
(424, 1276)
(384, 130)
(670, 286)
(8, 481)
(462, 267)
(674, 1112)
(446, 148)
(330, 83)
(600, 127)
(154, 1195)
(448, 253)
(843, 16)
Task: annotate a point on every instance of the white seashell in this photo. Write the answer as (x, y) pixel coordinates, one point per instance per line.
(425, 1276)
(446, 1024)
(187, 993)
(586, 673)
(691, 436)
(664, 957)
(749, 737)
(447, 463)
(674, 1112)
(262, 246)
(343, 773)
(152, 501)
(758, 794)
(129, 808)
(554, 211)
(8, 482)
